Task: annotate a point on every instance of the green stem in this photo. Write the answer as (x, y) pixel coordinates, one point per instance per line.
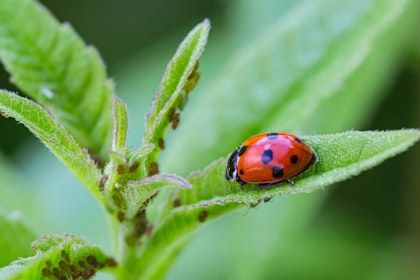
(128, 236)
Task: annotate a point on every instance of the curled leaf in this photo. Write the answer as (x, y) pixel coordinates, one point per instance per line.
(120, 125)
(137, 194)
(179, 79)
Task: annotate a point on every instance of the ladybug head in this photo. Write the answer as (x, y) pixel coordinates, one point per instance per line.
(231, 172)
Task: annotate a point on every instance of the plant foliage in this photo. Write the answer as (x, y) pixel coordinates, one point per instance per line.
(71, 112)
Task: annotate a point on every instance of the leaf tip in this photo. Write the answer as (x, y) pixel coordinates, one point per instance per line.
(206, 23)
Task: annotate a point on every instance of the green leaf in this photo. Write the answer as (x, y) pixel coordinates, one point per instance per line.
(55, 137)
(341, 156)
(51, 64)
(279, 80)
(60, 256)
(15, 237)
(137, 193)
(120, 125)
(179, 79)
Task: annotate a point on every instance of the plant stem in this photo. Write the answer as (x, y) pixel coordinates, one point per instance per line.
(127, 240)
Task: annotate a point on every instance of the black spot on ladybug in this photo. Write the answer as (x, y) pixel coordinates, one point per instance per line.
(202, 216)
(277, 172)
(242, 150)
(298, 140)
(267, 156)
(241, 171)
(272, 136)
(294, 159)
(177, 202)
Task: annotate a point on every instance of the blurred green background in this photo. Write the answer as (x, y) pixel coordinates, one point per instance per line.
(365, 228)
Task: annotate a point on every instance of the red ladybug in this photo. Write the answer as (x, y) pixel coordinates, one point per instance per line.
(268, 159)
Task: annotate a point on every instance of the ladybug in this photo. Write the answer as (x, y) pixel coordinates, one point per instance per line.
(269, 159)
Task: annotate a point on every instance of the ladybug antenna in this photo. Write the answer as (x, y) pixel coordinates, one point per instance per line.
(247, 211)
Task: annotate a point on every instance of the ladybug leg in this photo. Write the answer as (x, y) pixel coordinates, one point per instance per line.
(290, 182)
(242, 183)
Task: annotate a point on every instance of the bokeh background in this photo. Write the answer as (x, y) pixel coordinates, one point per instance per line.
(364, 228)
